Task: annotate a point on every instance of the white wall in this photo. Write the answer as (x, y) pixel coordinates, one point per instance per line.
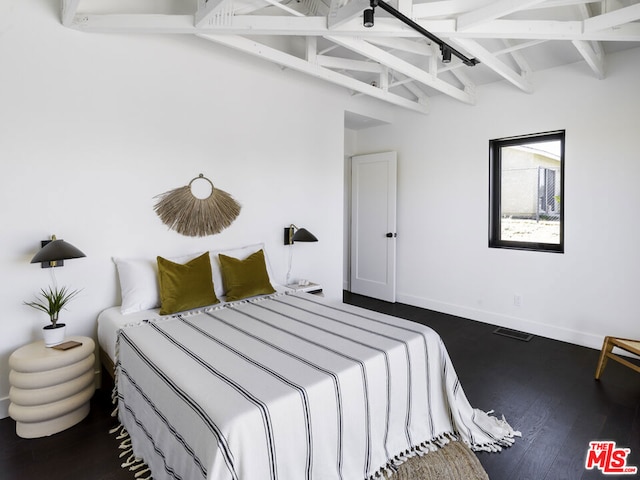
(92, 127)
(443, 259)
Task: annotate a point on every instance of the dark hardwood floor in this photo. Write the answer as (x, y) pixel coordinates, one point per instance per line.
(84, 452)
(544, 388)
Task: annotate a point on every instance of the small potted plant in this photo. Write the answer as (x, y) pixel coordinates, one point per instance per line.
(51, 301)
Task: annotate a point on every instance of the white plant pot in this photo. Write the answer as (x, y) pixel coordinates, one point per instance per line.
(54, 336)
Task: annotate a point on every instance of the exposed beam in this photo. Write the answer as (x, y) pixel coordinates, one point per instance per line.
(399, 65)
(549, 30)
(403, 44)
(239, 25)
(207, 9)
(518, 57)
(592, 52)
(69, 9)
(276, 56)
(613, 19)
(315, 7)
(446, 8)
(493, 11)
(406, 7)
(594, 60)
(513, 47)
(463, 78)
(414, 89)
(488, 59)
(384, 78)
(559, 3)
(285, 8)
(134, 23)
(447, 49)
(340, 15)
(312, 49)
(317, 26)
(456, 7)
(348, 64)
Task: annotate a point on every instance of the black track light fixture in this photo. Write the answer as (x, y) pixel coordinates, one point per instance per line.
(446, 53)
(367, 20)
(446, 49)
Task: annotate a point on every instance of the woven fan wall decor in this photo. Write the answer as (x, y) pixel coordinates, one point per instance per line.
(189, 215)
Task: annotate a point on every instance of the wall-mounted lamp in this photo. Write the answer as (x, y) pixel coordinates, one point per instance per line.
(54, 252)
(446, 49)
(294, 234)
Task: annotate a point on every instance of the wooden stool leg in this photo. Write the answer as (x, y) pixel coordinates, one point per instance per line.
(607, 347)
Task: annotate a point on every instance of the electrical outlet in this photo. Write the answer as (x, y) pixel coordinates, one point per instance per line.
(517, 300)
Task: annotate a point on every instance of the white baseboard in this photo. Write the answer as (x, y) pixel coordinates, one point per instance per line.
(536, 328)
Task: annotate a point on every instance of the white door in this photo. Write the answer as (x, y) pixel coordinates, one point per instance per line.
(373, 225)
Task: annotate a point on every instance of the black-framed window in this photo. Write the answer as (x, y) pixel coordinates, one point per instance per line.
(526, 192)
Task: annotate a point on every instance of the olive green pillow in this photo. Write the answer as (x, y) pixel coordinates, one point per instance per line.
(245, 278)
(183, 287)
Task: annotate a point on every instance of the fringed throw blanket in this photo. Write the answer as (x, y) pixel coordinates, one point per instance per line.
(291, 388)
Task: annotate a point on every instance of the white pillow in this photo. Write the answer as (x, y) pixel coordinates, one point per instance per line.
(138, 284)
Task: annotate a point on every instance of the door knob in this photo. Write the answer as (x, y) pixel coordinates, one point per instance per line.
(391, 235)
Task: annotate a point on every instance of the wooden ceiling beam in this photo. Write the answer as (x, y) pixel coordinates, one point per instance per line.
(593, 59)
(410, 85)
(613, 19)
(403, 44)
(549, 30)
(398, 65)
(339, 63)
(447, 8)
(295, 63)
(493, 11)
(341, 15)
(518, 57)
(592, 52)
(317, 26)
(207, 10)
(490, 60)
(69, 9)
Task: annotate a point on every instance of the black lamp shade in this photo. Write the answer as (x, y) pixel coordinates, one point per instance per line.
(56, 250)
(294, 234)
(304, 235)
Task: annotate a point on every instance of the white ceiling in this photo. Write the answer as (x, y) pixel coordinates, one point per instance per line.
(390, 61)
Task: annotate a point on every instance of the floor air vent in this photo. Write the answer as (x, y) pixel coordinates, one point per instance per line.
(507, 332)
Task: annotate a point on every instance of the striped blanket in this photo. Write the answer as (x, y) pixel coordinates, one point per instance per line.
(291, 387)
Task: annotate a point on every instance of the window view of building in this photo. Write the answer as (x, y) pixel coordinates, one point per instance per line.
(526, 192)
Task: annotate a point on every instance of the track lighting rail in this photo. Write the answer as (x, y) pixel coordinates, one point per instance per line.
(446, 49)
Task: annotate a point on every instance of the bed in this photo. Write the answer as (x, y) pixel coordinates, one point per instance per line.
(285, 385)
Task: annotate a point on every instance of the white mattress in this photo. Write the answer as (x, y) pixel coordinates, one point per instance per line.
(111, 320)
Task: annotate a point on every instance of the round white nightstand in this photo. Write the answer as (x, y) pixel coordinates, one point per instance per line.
(50, 388)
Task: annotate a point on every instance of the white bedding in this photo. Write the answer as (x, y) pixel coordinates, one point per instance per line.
(291, 387)
(111, 320)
